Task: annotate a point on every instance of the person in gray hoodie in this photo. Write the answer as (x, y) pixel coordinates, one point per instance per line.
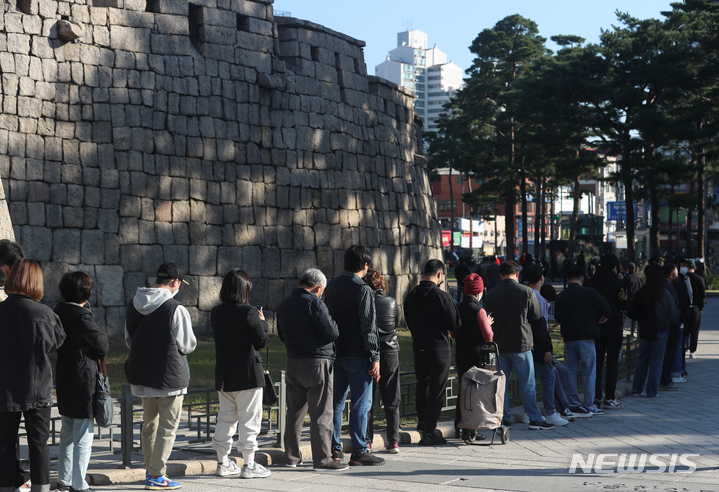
(158, 332)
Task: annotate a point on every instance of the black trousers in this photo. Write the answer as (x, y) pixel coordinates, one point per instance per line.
(432, 371)
(670, 353)
(389, 391)
(37, 426)
(609, 345)
(694, 319)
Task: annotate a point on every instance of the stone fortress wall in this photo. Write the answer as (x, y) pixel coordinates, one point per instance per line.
(209, 133)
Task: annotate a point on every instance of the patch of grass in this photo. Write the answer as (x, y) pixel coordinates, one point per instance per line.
(202, 361)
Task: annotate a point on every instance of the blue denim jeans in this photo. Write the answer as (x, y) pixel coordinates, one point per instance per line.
(562, 386)
(545, 373)
(649, 364)
(582, 351)
(351, 374)
(74, 452)
(678, 357)
(523, 365)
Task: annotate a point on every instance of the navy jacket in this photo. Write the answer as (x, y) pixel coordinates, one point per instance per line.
(306, 327)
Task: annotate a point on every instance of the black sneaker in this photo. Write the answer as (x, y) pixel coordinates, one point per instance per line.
(331, 466)
(432, 440)
(337, 455)
(366, 459)
(540, 425)
(580, 412)
(61, 487)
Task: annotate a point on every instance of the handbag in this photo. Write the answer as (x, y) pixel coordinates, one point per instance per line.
(269, 395)
(102, 400)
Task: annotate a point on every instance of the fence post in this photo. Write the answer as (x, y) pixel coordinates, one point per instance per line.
(282, 409)
(126, 418)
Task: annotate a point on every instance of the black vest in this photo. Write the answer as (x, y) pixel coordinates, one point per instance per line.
(154, 359)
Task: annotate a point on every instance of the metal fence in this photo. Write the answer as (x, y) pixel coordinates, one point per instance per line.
(200, 406)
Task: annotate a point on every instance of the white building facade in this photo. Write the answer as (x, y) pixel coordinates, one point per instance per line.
(423, 70)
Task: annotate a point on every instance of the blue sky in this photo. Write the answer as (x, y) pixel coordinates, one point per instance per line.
(453, 25)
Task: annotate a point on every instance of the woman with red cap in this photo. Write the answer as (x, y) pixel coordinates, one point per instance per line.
(475, 329)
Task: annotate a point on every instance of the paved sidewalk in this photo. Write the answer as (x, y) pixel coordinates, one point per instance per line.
(684, 421)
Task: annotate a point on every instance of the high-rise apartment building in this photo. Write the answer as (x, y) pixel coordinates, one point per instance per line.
(423, 70)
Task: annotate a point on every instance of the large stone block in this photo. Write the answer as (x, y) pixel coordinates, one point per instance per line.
(93, 247)
(109, 285)
(203, 260)
(209, 292)
(66, 246)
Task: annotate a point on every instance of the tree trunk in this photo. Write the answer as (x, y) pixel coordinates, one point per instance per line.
(669, 231)
(451, 206)
(577, 196)
(538, 215)
(525, 226)
(552, 211)
(509, 203)
(654, 229)
(690, 210)
(701, 215)
(630, 219)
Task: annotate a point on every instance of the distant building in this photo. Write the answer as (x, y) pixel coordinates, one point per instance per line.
(422, 70)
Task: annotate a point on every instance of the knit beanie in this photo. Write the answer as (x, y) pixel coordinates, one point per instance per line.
(473, 284)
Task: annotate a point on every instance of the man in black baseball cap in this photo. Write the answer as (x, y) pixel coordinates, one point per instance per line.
(158, 332)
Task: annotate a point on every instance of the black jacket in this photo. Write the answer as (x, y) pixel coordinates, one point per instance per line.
(239, 335)
(431, 314)
(699, 294)
(77, 360)
(468, 337)
(387, 321)
(632, 283)
(542, 340)
(578, 310)
(306, 327)
(609, 285)
(28, 332)
(350, 302)
(653, 317)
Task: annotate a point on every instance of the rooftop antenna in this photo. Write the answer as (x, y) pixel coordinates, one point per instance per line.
(407, 25)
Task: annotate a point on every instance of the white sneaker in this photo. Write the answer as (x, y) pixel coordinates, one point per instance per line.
(679, 380)
(257, 471)
(556, 420)
(525, 418)
(228, 470)
(691, 355)
(568, 415)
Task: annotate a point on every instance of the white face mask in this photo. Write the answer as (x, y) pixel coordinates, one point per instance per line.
(684, 270)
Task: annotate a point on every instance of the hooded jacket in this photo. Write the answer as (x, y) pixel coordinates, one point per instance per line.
(77, 360)
(28, 332)
(431, 314)
(158, 332)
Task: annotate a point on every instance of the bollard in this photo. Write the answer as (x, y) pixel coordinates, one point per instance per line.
(126, 419)
(282, 408)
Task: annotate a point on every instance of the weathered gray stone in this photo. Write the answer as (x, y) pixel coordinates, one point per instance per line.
(209, 291)
(109, 286)
(66, 246)
(203, 260)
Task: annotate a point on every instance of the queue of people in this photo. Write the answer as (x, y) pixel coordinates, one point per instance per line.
(340, 336)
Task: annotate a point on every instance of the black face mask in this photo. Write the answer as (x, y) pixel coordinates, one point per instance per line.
(440, 283)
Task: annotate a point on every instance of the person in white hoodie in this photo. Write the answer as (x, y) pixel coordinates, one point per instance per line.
(158, 332)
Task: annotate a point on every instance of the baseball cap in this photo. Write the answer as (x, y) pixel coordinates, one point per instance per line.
(171, 270)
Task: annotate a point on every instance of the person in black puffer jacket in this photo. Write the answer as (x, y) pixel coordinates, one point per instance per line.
(387, 321)
(76, 370)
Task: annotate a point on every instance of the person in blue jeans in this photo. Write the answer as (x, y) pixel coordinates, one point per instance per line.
(514, 308)
(654, 309)
(580, 310)
(350, 302)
